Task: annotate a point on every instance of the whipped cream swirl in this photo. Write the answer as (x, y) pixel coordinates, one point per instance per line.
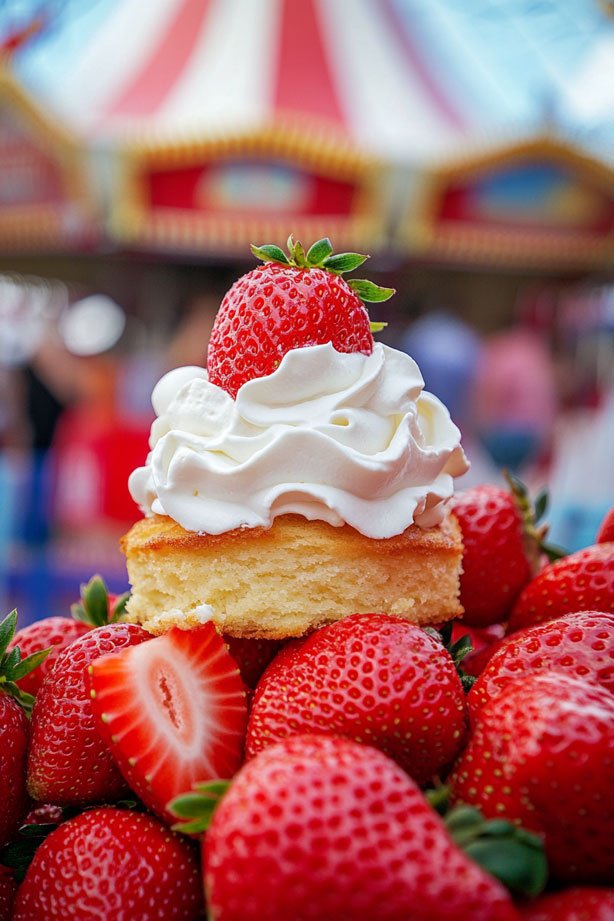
(343, 438)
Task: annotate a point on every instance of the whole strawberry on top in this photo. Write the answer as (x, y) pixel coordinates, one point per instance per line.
(95, 607)
(503, 544)
(582, 581)
(320, 827)
(69, 764)
(111, 864)
(578, 644)
(14, 728)
(291, 301)
(371, 677)
(542, 754)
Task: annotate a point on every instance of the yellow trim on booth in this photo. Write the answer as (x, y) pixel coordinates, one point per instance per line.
(419, 233)
(302, 142)
(35, 222)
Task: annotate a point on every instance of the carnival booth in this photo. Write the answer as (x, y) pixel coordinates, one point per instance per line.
(435, 128)
(224, 122)
(537, 204)
(46, 198)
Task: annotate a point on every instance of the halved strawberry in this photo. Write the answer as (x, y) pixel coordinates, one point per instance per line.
(172, 715)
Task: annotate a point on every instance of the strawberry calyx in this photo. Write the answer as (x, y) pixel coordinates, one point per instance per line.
(13, 667)
(19, 853)
(458, 650)
(510, 853)
(38, 825)
(321, 256)
(96, 606)
(534, 529)
(196, 809)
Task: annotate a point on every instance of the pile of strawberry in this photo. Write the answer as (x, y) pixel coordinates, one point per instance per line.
(353, 777)
(371, 770)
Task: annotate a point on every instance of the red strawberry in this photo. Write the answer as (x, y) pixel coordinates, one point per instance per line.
(583, 581)
(69, 763)
(8, 890)
(286, 304)
(321, 827)
(580, 903)
(14, 728)
(606, 531)
(501, 549)
(580, 644)
(542, 754)
(373, 678)
(173, 711)
(111, 864)
(13, 756)
(252, 657)
(54, 632)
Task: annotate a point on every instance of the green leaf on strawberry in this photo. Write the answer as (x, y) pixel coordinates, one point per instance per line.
(320, 255)
(370, 292)
(196, 809)
(458, 650)
(344, 262)
(319, 252)
(13, 667)
(532, 513)
(18, 854)
(270, 253)
(7, 630)
(511, 854)
(98, 607)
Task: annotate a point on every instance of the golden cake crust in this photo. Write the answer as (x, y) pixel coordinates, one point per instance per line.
(161, 533)
(290, 578)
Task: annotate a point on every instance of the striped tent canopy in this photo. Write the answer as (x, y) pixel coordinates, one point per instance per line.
(218, 121)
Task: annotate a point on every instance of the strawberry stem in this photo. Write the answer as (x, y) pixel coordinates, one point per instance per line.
(531, 513)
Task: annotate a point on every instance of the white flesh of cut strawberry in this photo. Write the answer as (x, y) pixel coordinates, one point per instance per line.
(173, 711)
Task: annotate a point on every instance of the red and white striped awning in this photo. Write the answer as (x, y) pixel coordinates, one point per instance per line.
(173, 68)
(214, 123)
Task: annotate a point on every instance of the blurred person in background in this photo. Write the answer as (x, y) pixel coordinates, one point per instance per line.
(582, 471)
(514, 400)
(448, 352)
(44, 401)
(13, 442)
(102, 435)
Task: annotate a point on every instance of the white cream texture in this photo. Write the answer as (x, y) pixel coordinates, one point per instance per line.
(343, 438)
